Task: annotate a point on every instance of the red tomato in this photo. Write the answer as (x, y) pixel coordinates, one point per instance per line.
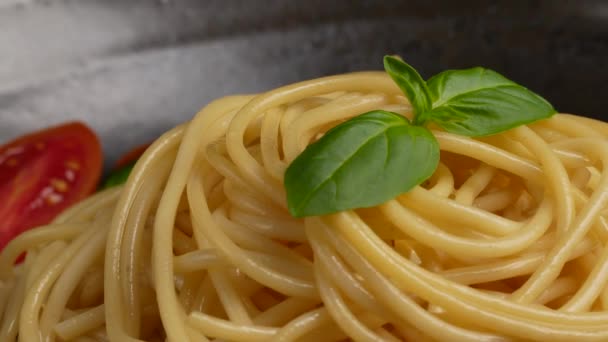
(131, 156)
(43, 173)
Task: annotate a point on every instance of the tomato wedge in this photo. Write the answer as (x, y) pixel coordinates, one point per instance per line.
(43, 173)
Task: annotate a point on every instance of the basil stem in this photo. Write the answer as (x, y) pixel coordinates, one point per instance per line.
(412, 84)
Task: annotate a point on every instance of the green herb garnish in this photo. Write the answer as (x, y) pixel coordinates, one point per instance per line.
(378, 155)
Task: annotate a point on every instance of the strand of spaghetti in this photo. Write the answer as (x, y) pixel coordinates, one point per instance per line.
(424, 202)
(401, 305)
(569, 159)
(269, 143)
(274, 228)
(331, 331)
(559, 288)
(297, 107)
(99, 335)
(183, 243)
(231, 331)
(286, 310)
(12, 312)
(201, 217)
(91, 291)
(583, 222)
(303, 324)
(475, 184)
(256, 242)
(241, 198)
(287, 267)
(215, 155)
(508, 144)
(505, 269)
(305, 126)
(32, 238)
(547, 134)
(6, 288)
(341, 313)
(601, 225)
(197, 260)
(350, 285)
(42, 261)
(29, 325)
(172, 315)
(206, 297)
(597, 125)
(251, 170)
(200, 245)
(444, 181)
(423, 230)
(187, 290)
(557, 180)
(495, 201)
(115, 306)
(458, 298)
(386, 336)
(410, 333)
(86, 209)
(81, 324)
(592, 287)
(490, 155)
(132, 241)
(230, 299)
(574, 126)
(68, 281)
(513, 325)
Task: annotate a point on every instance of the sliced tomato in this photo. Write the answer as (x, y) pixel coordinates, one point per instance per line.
(43, 173)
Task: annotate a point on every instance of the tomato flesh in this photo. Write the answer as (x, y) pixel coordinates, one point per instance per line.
(43, 173)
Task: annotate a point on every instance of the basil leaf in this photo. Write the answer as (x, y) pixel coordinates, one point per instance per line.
(362, 162)
(451, 83)
(479, 102)
(412, 85)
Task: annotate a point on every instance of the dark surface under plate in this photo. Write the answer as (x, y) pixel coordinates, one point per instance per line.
(132, 69)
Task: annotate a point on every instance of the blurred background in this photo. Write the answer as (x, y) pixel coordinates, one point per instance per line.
(132, 69)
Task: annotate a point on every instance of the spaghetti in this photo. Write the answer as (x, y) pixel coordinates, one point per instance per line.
(506, 241)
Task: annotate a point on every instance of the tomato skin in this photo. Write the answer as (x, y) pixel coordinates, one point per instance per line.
(43, 173)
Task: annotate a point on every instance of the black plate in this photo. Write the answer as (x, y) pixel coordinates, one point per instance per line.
(132, 69)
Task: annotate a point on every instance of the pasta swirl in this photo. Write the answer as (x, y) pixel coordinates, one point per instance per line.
(507, 241)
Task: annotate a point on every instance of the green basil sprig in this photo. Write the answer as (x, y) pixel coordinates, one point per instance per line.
(378, 155)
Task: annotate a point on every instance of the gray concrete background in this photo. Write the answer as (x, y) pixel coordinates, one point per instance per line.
(132, 69)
